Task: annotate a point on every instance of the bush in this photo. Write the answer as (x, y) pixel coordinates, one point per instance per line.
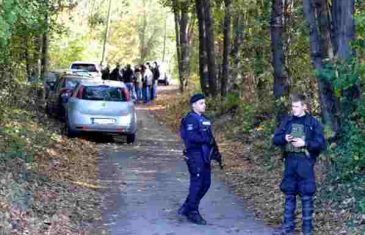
(247, 116)
(232, 101)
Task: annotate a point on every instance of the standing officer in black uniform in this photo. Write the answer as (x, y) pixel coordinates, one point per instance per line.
(196, 132)
(301, 137)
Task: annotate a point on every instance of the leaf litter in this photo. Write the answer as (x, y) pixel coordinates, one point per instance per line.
(48, 182)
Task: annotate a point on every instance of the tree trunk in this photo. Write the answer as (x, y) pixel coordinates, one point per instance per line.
(281, 84)
(344, 34)
(181, 13)
(44, 58)
(185, 46)
(212, 71)
(177, 31)
(238, 28)
(28, 63)
(324, 25)
(164, 40)
(203, 66)
(36, 56)
(328, 101)
(343, 27)
(226, 47)
(142, 36)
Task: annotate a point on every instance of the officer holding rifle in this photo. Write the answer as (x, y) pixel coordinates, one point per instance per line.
(200, 149)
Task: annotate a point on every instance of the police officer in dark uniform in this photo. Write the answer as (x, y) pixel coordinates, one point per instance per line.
(196, 132)
(301, 137)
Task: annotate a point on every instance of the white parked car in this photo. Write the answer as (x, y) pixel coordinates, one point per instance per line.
(101, 106)
(93, 68)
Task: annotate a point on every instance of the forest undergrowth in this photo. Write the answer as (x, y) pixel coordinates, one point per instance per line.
(47, 182)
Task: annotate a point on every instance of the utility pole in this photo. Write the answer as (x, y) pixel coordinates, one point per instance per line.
(106, 33)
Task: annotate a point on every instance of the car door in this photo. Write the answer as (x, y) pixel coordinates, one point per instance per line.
(71, 101)
(54, 98)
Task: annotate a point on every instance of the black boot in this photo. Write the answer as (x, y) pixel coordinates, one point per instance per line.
(183, 211)
(196, 218)
(307, 212)
(289, 212)
(288, 222)
(281, 231)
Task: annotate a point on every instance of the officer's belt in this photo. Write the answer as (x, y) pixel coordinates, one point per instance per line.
(295, 154)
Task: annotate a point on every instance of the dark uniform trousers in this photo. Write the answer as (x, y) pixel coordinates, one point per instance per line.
(200, 179)
(298, 178)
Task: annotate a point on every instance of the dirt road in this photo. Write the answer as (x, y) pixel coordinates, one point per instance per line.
(145, 183)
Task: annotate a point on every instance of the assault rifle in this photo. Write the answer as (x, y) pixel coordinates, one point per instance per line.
(215, 154)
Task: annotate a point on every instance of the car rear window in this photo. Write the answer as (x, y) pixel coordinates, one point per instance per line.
(105, 93)
(87, 67)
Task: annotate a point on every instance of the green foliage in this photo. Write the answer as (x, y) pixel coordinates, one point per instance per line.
(96, 19)
(136, 33)
(62, 56)
(348, 154)
(12, 146)
(268, 152)
(247, 116)
(232, 101)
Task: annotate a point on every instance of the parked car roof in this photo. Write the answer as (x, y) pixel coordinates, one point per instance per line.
(103, 82)
(85, 62)
(75, 76)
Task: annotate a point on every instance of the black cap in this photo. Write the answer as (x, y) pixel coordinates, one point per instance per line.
(196, 97)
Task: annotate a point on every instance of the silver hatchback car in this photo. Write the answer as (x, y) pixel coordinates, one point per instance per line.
(101, 106)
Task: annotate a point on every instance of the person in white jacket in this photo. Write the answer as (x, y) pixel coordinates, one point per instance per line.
(147, 80)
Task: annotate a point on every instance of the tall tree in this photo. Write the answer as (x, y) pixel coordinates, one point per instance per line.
(344, 34)
(203, 66)
(44, 54)
(226, 46)
(212, 70)
(281, 79)
(343, 27)
(143, 34)
(238, 36)
(328, 101)
(181, 12)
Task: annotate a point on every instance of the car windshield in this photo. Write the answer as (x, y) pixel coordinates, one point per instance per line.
(87, 67)
(71, 83)
(105, 93)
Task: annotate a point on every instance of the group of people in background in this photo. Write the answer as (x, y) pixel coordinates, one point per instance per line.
(141, 80)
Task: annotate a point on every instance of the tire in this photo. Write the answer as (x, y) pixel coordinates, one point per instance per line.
(131, 138)
(69, 132)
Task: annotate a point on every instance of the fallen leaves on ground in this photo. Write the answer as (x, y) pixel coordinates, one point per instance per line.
(47, 181)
